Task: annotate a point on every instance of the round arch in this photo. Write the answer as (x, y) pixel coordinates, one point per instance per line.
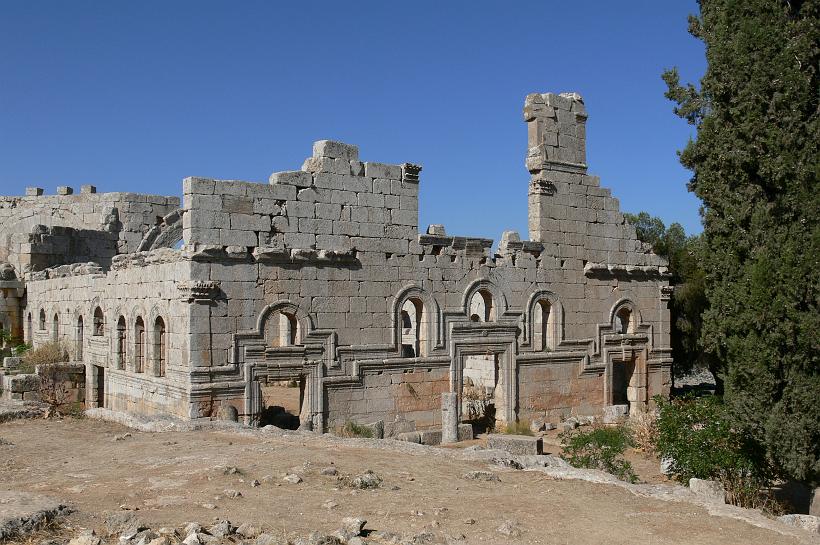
(552, 333)
(427, 325)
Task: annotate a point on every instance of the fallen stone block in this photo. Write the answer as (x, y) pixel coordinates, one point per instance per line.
(516, 444)
(615, 414)
(465, 432)
(430, 437)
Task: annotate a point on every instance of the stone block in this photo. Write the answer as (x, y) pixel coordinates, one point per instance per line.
(88, 189)
(335, 150)
(34, 191)
(708, 490)
(381, 170)
(615, 414)
(465, 432)
(11, 362)
(810, 523)
(516, 444)
(430, 437)
(65, 190)
(23, 383)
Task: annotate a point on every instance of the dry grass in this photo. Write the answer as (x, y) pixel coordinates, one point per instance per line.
(522, 427)
(50, 352)
(644, 429)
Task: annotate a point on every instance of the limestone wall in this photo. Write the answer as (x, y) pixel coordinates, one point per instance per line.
(139, 287)
(39, 231)
(306, 277)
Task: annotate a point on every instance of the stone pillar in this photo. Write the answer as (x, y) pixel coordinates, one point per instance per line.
(449, 417)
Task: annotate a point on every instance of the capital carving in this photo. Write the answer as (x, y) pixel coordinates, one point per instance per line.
(198, 291)
(411, 172)
(539, 186)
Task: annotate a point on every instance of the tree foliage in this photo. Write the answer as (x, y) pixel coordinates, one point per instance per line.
(689, 299)
(755, 167)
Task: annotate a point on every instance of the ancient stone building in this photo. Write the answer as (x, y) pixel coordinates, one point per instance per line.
(322, 278)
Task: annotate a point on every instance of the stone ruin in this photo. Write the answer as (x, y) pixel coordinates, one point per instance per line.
(320, 280)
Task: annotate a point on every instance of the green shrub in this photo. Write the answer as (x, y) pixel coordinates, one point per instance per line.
(696, 436)
(352, 429)
(600, 448)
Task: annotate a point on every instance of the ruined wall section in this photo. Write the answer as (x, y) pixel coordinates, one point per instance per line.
(146, 286)
(335, 204)
(569, 212)
(39, 231)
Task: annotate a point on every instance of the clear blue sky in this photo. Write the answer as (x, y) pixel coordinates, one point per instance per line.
(134, 96)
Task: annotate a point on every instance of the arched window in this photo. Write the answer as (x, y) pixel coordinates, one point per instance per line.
(139, 345)
(121, 343)
(413, 328)
(282, 329)
(481, 307)
(79, 350)
(55, 328)
(99, 323)
(29, 329)
(543, 326)
(42, 320)
(160, 347)
(623, 321)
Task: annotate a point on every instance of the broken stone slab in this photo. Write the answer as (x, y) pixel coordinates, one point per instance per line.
(22, 512)
(516, 444)
(708, 490)
(805, 522)
(615, 414)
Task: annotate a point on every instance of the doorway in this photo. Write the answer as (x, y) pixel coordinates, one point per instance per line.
(623, 378)
(480, 391)
(283, 402)
(99, 385)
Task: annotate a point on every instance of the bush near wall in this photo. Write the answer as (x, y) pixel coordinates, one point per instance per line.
(697, 437)
(601, 448)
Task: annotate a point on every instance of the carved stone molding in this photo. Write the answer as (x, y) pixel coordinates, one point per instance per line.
(200, 291)
(542, 187)
(411, 172)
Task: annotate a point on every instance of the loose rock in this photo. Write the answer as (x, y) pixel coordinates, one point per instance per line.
(481, 476)
(509, 528)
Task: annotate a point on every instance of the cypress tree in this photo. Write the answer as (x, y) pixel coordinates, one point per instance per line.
(755, 168)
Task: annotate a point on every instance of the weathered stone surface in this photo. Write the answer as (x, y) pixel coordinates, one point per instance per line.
(322, 277)
(516, 444)
(449, 417)
(810, 523)
(710, 490)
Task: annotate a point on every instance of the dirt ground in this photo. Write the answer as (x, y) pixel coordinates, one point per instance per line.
(172, 477)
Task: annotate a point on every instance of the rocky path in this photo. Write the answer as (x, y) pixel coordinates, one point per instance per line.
(289, 485)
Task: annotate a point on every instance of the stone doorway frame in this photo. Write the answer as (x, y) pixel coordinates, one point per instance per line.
(639, 379)
(483, 339)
